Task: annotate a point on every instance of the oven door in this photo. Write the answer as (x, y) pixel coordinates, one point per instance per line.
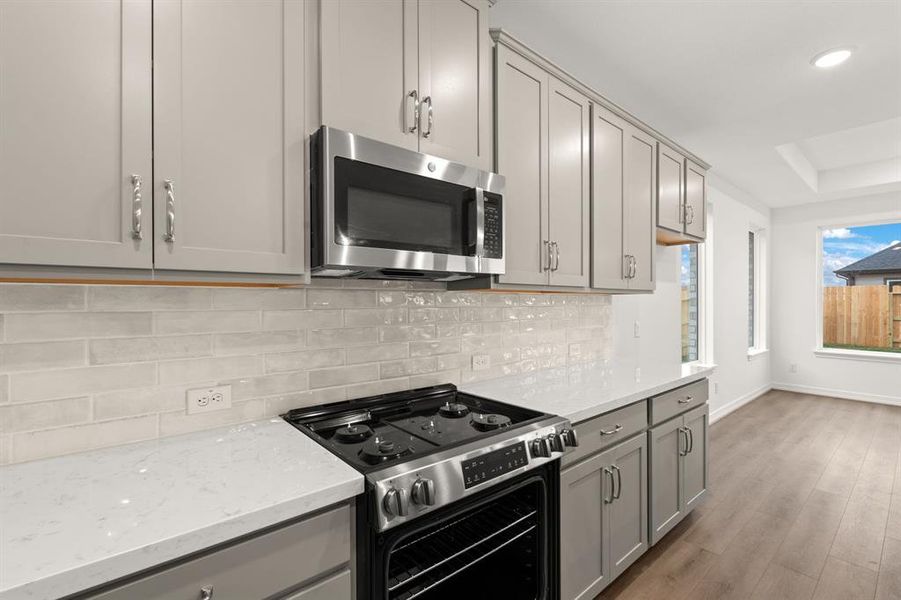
(501, 543)
(384, 207)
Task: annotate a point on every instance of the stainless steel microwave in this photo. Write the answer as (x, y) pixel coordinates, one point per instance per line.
(378, 211)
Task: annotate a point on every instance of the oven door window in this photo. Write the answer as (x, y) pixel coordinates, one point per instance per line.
(383, 208)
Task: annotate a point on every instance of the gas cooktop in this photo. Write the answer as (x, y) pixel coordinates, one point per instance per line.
(371, 433)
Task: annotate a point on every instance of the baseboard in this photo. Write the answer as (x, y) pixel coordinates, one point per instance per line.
(833, 393)
(738, 403)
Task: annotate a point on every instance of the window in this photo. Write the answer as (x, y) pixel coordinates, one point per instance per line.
(861, 305)
(690, 304)
(757, 293)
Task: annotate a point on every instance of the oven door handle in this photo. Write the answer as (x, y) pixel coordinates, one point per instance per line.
(480, 222)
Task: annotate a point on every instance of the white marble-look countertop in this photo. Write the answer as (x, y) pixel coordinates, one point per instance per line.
(74, 522)
(580, 392)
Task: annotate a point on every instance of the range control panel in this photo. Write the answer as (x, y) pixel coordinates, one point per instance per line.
(494, 464)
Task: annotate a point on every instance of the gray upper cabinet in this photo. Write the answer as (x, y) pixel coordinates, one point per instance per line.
(413, 73)
(75, 143)
(547, 174)
(681, 198)
(229, 136)
(622, 204)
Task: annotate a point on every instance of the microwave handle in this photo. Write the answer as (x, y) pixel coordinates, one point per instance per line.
(480, 221)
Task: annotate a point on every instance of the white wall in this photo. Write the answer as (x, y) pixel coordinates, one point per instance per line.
(796, 289)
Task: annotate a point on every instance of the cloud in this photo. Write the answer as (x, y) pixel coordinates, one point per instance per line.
(841, 233)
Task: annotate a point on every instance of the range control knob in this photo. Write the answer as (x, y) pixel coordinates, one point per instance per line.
(570, 438)
(395, 502)
(541, 448)
(423, 492)
(558, 442)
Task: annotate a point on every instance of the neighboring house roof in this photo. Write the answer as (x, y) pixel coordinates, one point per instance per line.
(884, 261)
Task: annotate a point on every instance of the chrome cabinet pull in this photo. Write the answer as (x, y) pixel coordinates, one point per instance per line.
(170, 210)
(627, 266)
(634, 268)
(616, 429)
(428, 132)
(691, 214)
(137, 208)
(609, 500)
(415, 96)
(619, 482)
(682, 211)
(683, 433)
(685, 400)
(556, 256)
(691, 440)
(206, 592)
(548, 260)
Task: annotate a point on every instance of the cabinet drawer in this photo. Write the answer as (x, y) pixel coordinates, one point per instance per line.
(608, 429)
(677, 401)
(256, 568)
(336, 587)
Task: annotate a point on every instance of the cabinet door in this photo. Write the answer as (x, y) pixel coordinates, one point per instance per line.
(585, 489)
(369, 68)
(670, 190)
(608, 262)
(522, 159)
(568, 183)
(696, 200)
(694, 475)
(454, 80)
(640, 200)
(336, 587)
(629, 510)
(76, 126)
(666, 446)
(228, 127)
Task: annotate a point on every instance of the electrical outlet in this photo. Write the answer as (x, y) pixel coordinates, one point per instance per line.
(575, 349)
(209, 399)
(480, 362)
(793, 368)
(637, 329)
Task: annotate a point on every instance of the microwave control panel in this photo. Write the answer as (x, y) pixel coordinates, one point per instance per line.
(494, 232)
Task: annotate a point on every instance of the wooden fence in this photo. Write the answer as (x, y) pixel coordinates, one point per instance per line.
(865, 315)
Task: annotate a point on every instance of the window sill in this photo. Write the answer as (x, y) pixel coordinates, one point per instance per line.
(887, 357)
(755, 353)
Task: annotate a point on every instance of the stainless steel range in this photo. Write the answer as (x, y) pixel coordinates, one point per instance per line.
(459, 489)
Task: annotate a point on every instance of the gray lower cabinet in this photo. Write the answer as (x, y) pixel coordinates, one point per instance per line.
(307, 560)
(678, 472)
(603, 517)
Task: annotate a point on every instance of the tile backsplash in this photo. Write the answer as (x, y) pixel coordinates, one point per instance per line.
(90, 366)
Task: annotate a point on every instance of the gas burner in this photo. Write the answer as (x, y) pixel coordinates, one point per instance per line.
(380, 450)
(453, 410)
(353, 432)
(490, 421)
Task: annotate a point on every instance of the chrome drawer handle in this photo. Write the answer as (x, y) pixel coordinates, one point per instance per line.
(137, 208)
(686, 400)
(206, 592)
(616, 429)
(170, 211)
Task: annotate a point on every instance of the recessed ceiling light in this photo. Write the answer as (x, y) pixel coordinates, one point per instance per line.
(831, 58)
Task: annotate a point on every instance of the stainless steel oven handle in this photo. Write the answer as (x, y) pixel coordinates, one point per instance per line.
(480, 222)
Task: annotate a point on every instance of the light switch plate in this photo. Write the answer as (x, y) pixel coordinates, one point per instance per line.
(208, 399)
(637, 329)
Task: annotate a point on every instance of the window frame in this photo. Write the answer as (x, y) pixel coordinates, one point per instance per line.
(705, 296)
(760, 300)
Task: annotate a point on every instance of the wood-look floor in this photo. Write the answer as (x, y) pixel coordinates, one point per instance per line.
(804, 502)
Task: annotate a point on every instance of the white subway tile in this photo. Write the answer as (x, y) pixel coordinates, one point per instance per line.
(458, 299)
(429, 348)
(374, 388)
(409, 366)
(500, 300)
(277, 405)
(256, 342)
(65, 440)
(4, 388)
(135, 297)
(2, 328)
(372, 284)
(67, 325)
(434, 315)
(439, 378)
(259, 299)
(339, 338)
(44, 415)
(6, 449)
(310, 359)
(405, 333)
(411, 298)
(247, 388)
(484, 342)
(220, 321)
(150, 400)
(65, 383)
(343, 375)
(33, 356)
(208, 369)
(301, 319)
(341, 298)
(534, 299)
(32, 298)
(363, 317)
(378, 352)
(141, 349)
(175, 423)
(445, 362)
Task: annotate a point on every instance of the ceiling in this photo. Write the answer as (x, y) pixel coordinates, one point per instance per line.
(731, 80)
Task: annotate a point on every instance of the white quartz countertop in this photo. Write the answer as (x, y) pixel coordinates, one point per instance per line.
(71, 523)
(580, 392)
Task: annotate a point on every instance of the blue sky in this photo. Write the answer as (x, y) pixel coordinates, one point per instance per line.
(845, 245)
